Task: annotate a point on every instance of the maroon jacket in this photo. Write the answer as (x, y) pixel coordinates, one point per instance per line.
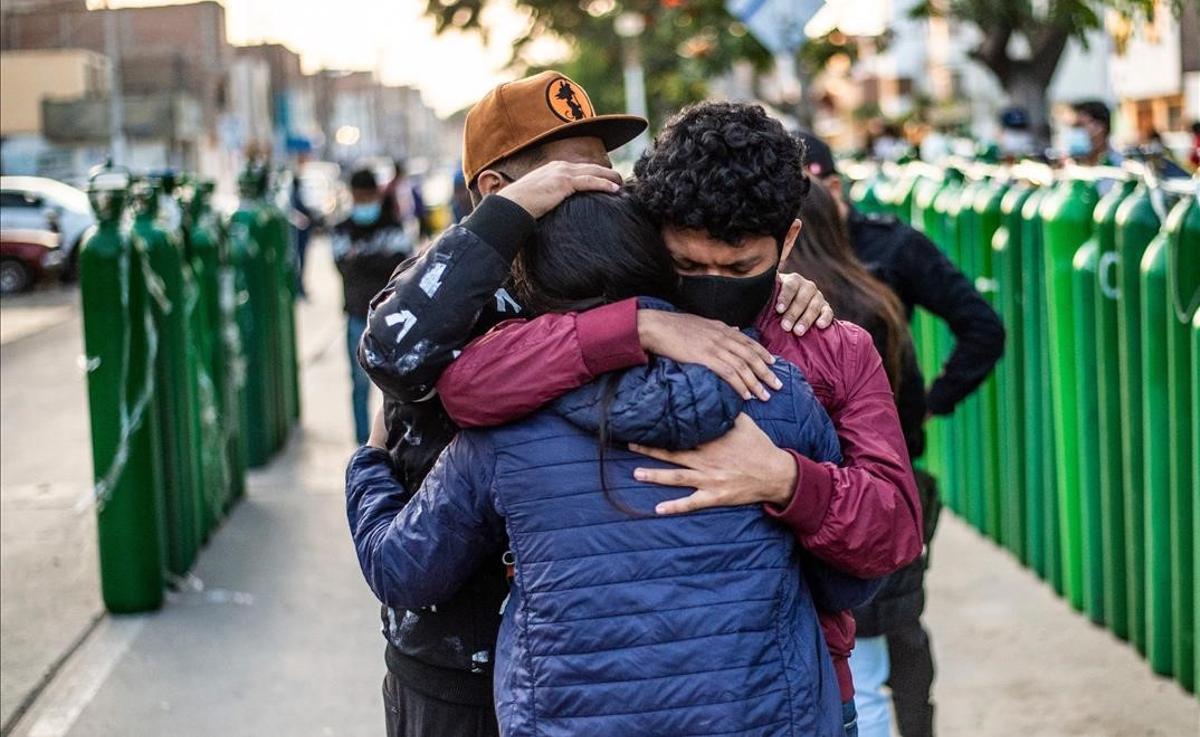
(863, 517)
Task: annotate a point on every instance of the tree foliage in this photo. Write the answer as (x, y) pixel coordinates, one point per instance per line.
(1046, 26)
(686, 44)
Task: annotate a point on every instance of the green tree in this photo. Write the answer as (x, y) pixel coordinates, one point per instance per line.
(1044, 25)
(685, 45)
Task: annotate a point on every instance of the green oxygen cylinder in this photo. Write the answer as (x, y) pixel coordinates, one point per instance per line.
(120, 343)
(968, 418)
(1006, 261)
(1098, 569)
(925, 325)
(200, 249)
(1042, 504)
(1182, 265)
(902, 191)
(945, 234)
(866, 194)
(1067, 223)
(279, 235)
(1103, 363)
(1153, 300)
(173, 217)
(255, 314)
(175, 371)
(988, 218)
(210, 262)
(263, 230)
(1137, 224)
(1195, 491)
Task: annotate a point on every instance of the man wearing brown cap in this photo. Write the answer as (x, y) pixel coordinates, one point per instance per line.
(528, 145)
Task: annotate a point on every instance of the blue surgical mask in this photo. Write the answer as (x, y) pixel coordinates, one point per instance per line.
(1079, 143)
(365, 213)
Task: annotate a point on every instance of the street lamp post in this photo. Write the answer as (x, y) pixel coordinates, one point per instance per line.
(630, 26)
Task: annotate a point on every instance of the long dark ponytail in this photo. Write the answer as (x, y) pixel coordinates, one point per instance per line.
(823, 254)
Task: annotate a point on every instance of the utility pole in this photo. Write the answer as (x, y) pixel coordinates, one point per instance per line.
(116, 102)
(630, 26)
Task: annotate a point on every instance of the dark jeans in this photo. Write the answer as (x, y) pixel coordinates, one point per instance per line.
(850, 718)
(360, 383)
(302, 238)
(911, 678)
(410, 713)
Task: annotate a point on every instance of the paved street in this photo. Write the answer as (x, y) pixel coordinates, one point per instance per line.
(47, 525)
(277, 633)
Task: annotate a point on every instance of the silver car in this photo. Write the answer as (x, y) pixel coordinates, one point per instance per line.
(37, 203)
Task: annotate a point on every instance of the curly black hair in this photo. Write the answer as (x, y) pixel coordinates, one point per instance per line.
(726, 168)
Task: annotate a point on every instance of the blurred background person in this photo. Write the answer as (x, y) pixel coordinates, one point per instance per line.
(460, 197)
(1015, 139)
(1087, 140)
(303, 220)
(402, 197)
(367, 247)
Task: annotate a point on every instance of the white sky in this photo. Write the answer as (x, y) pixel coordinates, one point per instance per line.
(392, 37)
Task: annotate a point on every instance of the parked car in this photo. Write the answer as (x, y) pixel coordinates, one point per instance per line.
(37, 203)
(27, 257)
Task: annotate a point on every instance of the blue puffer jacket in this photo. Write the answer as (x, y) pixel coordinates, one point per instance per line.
(621, 624)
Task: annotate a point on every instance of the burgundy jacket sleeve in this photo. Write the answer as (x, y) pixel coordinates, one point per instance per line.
(521, 365)
(863, 517)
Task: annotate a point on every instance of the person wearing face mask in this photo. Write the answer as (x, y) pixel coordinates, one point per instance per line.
(724, 182)
(367, 246)
(1016, 139)
(1087, 140)
(527, 145)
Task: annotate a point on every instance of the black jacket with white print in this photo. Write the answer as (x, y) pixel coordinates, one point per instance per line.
(431, 308)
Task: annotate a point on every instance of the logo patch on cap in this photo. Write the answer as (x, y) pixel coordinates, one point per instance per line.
(566, 101)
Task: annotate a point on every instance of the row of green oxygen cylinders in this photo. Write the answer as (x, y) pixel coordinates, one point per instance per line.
(1081, 454)
(189, 340)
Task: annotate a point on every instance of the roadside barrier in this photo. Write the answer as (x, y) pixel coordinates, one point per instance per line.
(164, 296)
(1081, 454)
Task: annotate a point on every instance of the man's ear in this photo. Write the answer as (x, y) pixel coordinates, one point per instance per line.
(489, 182)
(789, 241)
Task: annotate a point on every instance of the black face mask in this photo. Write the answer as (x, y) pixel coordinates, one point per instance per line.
(734, 300)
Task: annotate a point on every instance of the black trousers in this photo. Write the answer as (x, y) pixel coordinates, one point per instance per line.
(410, 713)
(911, 678)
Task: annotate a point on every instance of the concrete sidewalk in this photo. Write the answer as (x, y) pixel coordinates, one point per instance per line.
(279, 634)
(276, 633)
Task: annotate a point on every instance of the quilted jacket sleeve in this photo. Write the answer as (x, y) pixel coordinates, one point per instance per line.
(419, 553)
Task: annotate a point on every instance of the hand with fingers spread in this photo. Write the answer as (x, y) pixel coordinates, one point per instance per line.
(542, 189)
(726, 351)
(801, 305)
(741, 467)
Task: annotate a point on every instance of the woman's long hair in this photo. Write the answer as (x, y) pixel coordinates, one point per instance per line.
(823, 254)
(594, 249)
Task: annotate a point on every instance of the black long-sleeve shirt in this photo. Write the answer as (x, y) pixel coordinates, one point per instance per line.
(922, 276)
(432, 306)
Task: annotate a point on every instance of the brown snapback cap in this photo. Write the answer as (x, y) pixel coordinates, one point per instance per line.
(539, 109)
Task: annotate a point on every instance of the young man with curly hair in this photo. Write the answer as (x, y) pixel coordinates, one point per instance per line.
(724, 183)
(528, 144)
